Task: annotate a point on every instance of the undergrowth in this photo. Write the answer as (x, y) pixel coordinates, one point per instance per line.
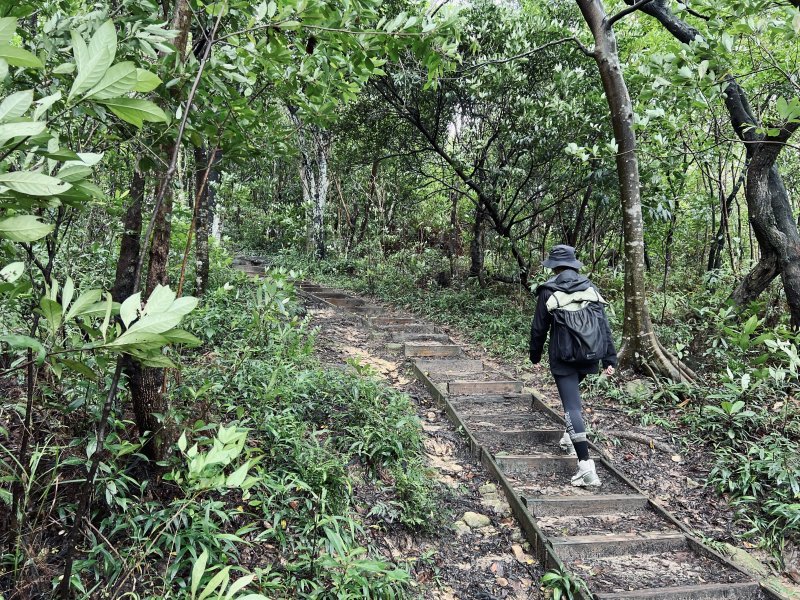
(260, 493)
(744, 407)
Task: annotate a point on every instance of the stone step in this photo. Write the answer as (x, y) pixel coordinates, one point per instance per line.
(465, 388)
(545, 506)
(710, 591)
(432, 350)
(594, 546)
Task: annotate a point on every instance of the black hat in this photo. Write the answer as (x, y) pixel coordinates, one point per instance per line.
(562, 256)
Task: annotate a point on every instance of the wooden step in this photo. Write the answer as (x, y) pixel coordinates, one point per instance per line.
(402, 336)
(544, 463)
(408, 328)
(448, 367)
(710, 591)
(432, 350)
(377, 321)
(345, 302)
(547, 506)
(465, 387)
(593, 546)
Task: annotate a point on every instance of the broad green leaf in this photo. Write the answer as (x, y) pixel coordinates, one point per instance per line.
(136, 111)
(182, 442)
(84, 301)
(129, 309)
(10, 273)
(89, 189)
(198, 569)
(183, 306)
(19, 57)
(238, 585)
(64, 68)
(142, 339)
(52, 312)
(24, 129)
(3, 69)
(156, 323)
(8, 26)
(24, 228)
(158, 361)
(67, 293)
(15, 105)
(146, 81)
(90, 159)
(161, 298)
(119, 79)
(78, 367)
(94, 61)
(73, 173)
(220, 580)
(107, 319)
(288, 25)
(44, 104)
(23, 341)
(181, 336)
(62, 154)
(236, 478)
(33, 184)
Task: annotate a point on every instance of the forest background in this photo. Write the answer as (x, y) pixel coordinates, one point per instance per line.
(428, 155)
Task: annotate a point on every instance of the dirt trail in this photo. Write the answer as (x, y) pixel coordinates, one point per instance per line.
(480, 555)
(619, 538)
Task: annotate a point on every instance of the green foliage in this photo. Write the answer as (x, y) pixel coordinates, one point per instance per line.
(564, 585)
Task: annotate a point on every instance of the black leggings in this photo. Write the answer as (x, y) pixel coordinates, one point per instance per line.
(568, 389)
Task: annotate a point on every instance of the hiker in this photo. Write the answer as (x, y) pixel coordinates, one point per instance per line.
(571, 309)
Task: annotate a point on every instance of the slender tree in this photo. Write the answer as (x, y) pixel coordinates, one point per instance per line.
(641, 348)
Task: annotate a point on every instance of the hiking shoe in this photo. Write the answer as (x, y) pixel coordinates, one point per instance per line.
(566, 445)
(586, 476)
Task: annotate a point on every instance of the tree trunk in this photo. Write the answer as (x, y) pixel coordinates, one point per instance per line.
(146, 383)
(206, 178)
(718, 243)
(130, 245)
(640, 348)
(314, 144)
(767, 199)
(477, 246)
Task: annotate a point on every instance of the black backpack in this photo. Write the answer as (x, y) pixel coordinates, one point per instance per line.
(578, 326)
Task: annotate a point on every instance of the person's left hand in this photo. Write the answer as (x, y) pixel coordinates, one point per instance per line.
(609, 371)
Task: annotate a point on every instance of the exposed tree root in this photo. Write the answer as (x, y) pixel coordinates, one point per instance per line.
(642, 439)
(651, 356)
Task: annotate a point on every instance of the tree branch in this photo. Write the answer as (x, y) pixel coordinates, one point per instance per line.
(625, 12)
(501, 61)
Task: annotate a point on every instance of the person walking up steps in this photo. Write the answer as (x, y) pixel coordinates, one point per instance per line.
(570, 308)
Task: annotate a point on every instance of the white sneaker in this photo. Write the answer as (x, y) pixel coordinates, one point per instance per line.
(586, 476)
(566, 445)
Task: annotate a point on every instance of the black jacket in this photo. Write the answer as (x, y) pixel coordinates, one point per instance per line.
(568, 281)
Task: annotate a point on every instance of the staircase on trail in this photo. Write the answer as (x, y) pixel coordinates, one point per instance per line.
(623, 544)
